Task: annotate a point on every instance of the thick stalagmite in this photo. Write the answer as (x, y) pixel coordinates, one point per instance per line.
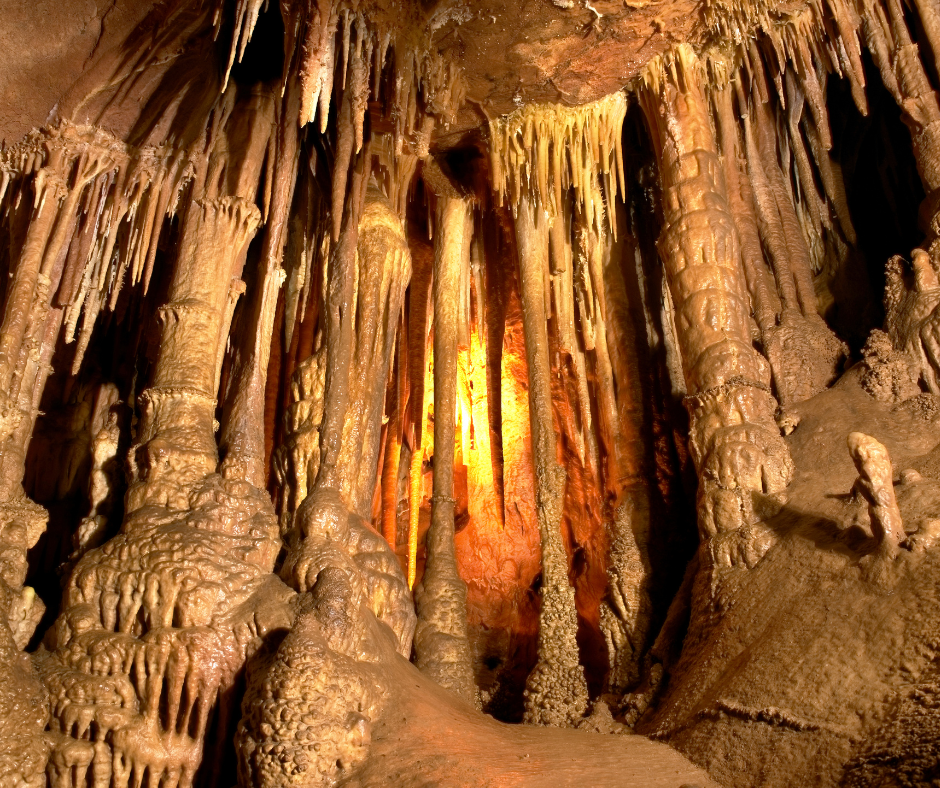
(158, 622)
(441, 646)
(743, 464)
(556, 692)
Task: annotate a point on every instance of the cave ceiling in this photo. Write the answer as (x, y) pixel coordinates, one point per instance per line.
(509, 54)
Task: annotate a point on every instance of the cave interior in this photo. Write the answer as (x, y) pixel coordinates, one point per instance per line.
(469, 393)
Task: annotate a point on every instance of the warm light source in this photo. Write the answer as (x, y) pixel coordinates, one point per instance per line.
(415, 487)
(414, 503)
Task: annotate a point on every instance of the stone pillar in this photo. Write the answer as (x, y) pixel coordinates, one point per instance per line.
(742, 462)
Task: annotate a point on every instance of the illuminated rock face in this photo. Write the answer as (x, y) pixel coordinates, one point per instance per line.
(368, 368)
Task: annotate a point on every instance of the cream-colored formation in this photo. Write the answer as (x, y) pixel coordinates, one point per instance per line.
(441, 646)
(157, 622)
(734, 440)
(270, 232)
(876, 486)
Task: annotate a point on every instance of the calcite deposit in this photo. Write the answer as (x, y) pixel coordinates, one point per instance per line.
(466, 393)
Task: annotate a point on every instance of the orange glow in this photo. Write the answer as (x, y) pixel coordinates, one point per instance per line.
(414, 503)
(484, 502)
(415, 475)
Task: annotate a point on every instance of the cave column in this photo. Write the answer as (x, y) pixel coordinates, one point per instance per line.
(176, 443)
(441, 645)
(177, 427)
(188, 575)
(556, 691)
(27, 340)
(741, 459)
(384, 270)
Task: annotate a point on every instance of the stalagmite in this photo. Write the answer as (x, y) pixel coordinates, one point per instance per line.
(556, 692)
(441, 646)
(69, 171)
(735, 443)
(346, 574)
(102, 482)
(875, 486)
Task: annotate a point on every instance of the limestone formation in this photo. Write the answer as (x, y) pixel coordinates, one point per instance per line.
(158, 621)
(734, 440)
(556, 692)
(876, 486)
(388, 388)
(441, 647)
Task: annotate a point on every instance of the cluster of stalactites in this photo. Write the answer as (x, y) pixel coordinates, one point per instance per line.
(345, 39)
(779, 75)
(543, 150)
(777, 83)
(97, 206)
(828, 30)
(104, 204)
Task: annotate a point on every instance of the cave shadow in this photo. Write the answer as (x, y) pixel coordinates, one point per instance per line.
(848, 538)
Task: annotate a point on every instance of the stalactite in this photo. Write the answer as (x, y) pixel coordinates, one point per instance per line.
(919, 104)
(242, 436)
(441, 646)
(419, 321)
(794, 109)
(393, 444)
(102, 482)
(550, 149)
(771, 226)
(810, 368)
(338, 333)
(764, 299)
(297, 459)
(563, 291)
(383, 271)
